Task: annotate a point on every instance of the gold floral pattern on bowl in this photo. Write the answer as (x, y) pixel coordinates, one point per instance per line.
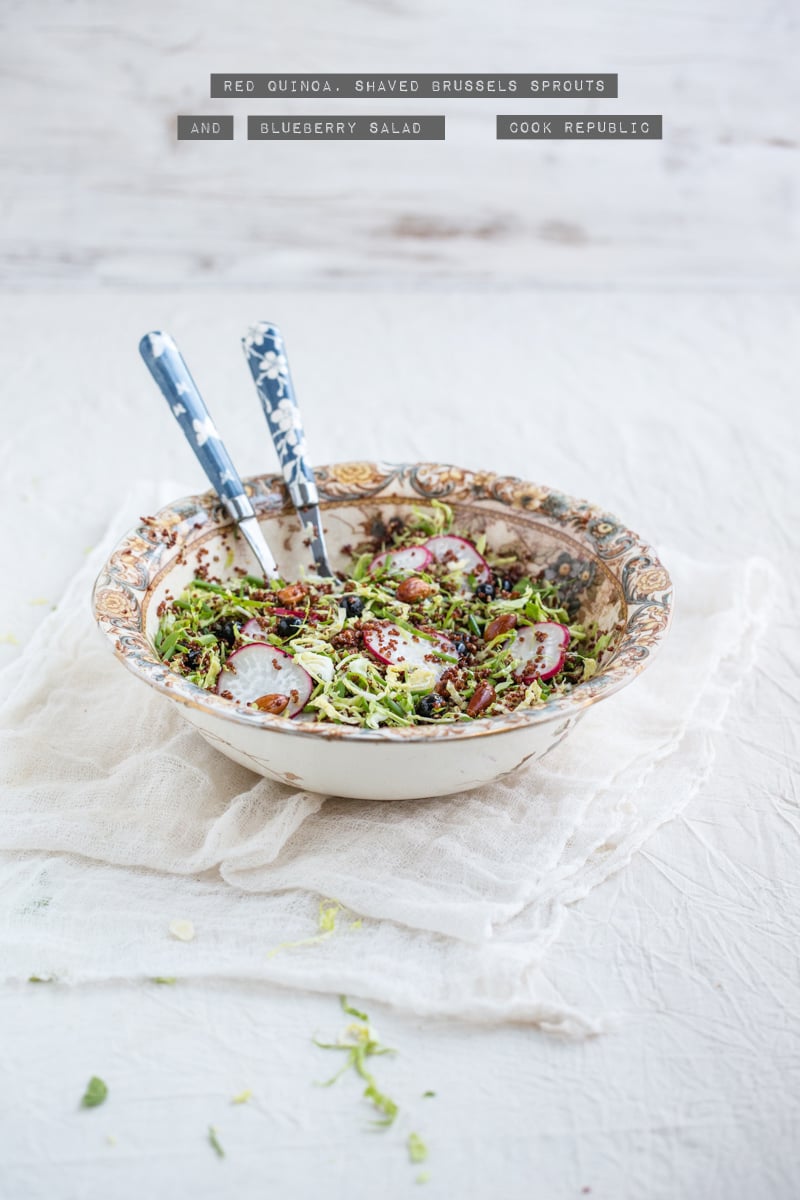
(615, 575)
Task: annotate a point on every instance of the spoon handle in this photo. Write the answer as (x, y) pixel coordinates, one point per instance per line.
(168, 367)
(266, 357)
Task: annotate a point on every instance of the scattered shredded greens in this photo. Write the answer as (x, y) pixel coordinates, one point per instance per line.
(95, 1094)
(359, 1043)
(326, 625)
(328, 912)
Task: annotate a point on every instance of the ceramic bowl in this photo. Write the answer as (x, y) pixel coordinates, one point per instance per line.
(615, 579)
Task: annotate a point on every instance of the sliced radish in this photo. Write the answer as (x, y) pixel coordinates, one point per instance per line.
(540, 649)
(398, 648)
(407, 558)
(455, 551)
(258, 670)
(252, 629)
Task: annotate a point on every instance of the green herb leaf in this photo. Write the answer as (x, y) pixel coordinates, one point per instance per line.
(96, 1092)
(166, 979)
(214, 1142)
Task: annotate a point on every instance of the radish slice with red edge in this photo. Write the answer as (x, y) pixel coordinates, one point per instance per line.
(454, 551)
(259, 670)
(540, 650)
(252, 629)
(397, 647)
(407, 558)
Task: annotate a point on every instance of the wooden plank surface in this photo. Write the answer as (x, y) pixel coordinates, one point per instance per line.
(96, 189)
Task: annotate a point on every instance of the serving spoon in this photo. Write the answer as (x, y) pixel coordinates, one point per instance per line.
(266, 357)
(168, 367)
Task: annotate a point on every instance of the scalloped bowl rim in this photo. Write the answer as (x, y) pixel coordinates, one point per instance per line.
(270, 498)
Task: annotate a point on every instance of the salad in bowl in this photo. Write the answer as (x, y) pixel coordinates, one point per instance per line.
(422, 625)
(471, 620)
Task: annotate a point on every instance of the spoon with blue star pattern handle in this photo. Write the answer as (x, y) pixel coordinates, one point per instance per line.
(167, 366)
(266, 357)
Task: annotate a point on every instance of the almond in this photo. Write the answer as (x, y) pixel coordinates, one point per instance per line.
(413, 589)
(481, 698)
(499, 625)
(273, 703)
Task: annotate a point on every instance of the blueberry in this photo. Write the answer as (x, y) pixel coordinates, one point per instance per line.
(194, 657)
(225, 631)
(485, 591)
(507, 586)
(431, 705)
(460, 647)
(353, 606)
(288, 626)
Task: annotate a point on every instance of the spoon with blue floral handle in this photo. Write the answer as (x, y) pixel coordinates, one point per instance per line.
(167, 366)
(266, 357)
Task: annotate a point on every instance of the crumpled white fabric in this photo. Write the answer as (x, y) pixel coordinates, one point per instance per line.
(116, 818)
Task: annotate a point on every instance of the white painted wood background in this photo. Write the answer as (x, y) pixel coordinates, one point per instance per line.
(96, 190)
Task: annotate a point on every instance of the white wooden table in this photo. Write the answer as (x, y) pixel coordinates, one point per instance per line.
(96, 189)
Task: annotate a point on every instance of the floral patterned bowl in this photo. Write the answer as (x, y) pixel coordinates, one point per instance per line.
(616, 581)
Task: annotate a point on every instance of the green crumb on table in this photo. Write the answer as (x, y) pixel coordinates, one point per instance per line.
(428, 1095)
(165, 979)
(417, 1150)
(214, 1142)
(242, 1097)
(96, 1092)
(423, 1177)
(40, 979)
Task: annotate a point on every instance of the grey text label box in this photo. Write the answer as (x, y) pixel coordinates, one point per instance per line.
(420, 87)
(345, 128)
(205, 129)
(536, 127)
